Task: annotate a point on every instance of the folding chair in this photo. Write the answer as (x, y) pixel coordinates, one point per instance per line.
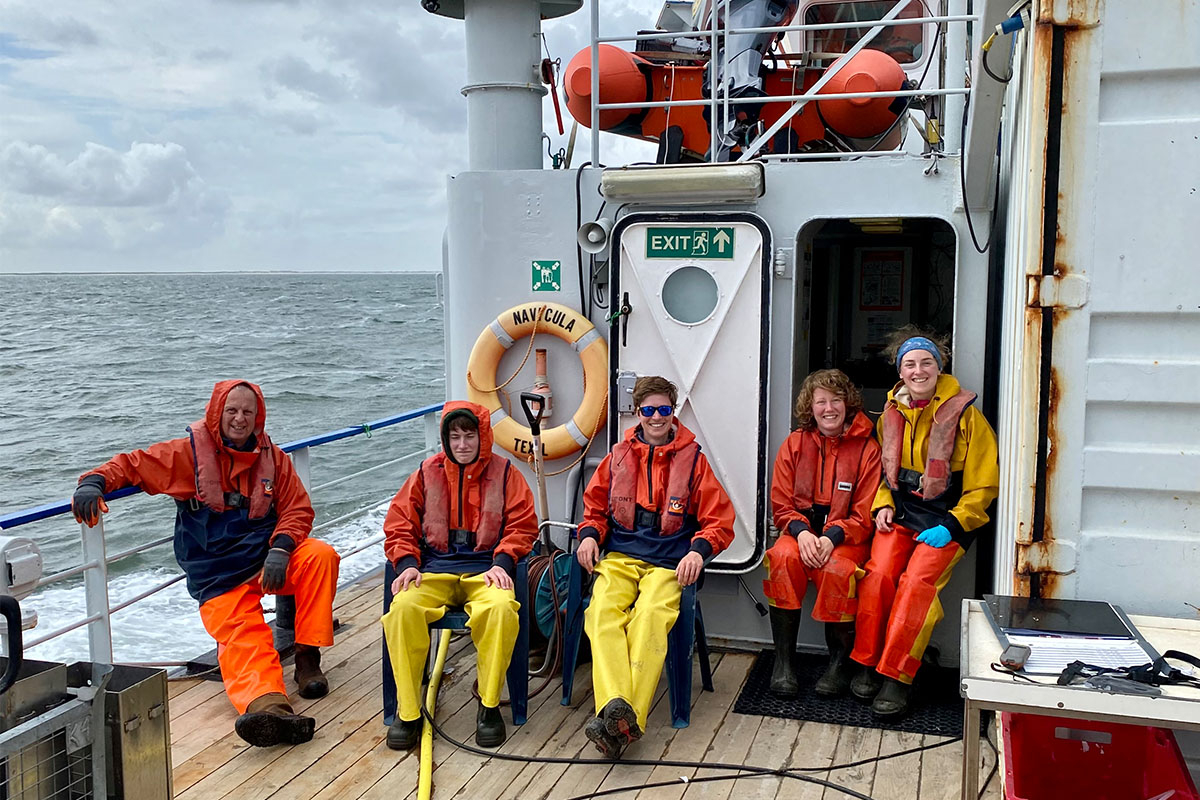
(455, 618)
(687, 631)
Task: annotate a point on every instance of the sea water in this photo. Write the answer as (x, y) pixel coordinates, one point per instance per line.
(93, 365)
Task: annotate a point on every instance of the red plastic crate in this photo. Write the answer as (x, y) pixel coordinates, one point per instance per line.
(1051, 758)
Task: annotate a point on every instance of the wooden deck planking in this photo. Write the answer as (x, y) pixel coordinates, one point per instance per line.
(212, 748)
(349, 759)
(708, 714)
(854, 744)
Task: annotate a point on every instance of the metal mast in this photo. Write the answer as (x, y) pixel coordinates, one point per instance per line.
(504, 89)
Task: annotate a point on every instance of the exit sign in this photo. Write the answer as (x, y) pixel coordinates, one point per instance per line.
(699, 242)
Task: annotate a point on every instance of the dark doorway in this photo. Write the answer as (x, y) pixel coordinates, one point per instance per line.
(863, 278)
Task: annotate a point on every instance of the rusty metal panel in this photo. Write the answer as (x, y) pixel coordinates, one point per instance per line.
(1112, 299)
(1071, 13)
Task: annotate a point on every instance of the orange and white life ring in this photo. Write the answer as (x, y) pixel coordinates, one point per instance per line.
(505, 330)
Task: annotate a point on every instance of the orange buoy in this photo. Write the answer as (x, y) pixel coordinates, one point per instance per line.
(862, 117)
(621, 81)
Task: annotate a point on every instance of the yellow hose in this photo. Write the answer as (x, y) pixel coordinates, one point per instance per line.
(425, 781)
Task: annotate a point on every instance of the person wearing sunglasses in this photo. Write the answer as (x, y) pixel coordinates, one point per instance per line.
(940, 474)
(825, 479)
(658, 512)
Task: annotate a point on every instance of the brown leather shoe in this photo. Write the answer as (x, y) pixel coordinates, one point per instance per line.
(269, 720)
(309, 678)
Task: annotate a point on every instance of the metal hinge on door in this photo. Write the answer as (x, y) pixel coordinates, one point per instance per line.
(1056, 291)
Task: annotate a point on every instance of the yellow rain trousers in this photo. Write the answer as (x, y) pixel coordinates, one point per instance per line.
(493, 622)
(633, 608)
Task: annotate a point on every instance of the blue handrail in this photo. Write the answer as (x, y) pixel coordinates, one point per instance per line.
(35, 513)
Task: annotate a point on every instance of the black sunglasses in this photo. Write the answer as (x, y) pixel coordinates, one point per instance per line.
(663, 411)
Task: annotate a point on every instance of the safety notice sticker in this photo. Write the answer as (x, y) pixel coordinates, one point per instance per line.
(547, 276)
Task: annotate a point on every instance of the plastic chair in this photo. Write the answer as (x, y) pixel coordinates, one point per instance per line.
(687, 631)
(455, 618)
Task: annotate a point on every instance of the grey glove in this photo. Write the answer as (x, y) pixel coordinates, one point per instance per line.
(275, 567)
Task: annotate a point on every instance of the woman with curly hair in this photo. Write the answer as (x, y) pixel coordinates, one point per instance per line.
(940, 474)
(826, 476)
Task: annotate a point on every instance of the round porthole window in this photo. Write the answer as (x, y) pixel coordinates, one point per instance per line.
(690, 295)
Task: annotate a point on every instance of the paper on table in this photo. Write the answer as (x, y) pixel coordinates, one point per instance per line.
(1050, 655)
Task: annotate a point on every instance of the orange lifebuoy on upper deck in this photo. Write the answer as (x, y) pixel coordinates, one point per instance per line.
(574, 329)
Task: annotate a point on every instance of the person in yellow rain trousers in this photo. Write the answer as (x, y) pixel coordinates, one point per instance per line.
(940, 474)
(454, 533)
(658, 511)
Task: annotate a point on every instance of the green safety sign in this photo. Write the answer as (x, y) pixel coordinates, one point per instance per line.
(547, 276)
(701, 242)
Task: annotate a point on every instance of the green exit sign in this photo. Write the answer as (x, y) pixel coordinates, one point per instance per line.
(700, 242)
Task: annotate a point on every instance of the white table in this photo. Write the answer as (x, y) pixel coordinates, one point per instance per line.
(983, 689)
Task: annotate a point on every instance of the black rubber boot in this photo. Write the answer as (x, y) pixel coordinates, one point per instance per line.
(404, 734)
(620, 720)
(309, 678)
(866, 684)
(269, 720)
(892, 700)
(597, 733)
(785, 623)
(839, 637)
(489, 727)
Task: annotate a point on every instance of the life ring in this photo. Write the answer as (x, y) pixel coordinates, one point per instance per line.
(574, 329)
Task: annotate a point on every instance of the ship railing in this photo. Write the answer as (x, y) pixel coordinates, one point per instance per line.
(955, 93)
(94, 566)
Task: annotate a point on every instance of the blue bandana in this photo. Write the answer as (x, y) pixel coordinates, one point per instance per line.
(918, 343)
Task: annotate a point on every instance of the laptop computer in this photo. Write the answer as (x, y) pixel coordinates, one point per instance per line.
(1058, 632)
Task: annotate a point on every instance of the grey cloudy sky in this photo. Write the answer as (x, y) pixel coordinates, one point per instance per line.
(242, 134)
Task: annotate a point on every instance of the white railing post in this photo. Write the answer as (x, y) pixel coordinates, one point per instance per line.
(433, 435)
(956, 59)
(95, 586)
(302, 460)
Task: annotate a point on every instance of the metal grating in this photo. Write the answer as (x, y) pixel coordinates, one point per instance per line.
(937, 708)
(48, 768)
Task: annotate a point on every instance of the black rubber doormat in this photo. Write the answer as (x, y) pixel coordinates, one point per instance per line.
(937, 708)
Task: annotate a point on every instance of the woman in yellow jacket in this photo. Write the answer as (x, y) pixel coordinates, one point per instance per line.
(940, 474)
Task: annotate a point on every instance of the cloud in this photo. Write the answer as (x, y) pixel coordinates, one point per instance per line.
(271, 134)
(103, 200)
(146, 175)
(293, 72)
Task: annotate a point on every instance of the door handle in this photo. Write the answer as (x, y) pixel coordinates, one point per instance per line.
(625, 309)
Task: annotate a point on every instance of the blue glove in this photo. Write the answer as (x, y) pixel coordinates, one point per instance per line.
(937, 536)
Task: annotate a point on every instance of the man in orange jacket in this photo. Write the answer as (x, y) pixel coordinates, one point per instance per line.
(241, 530)
(659, 512)
(825, 479)
(454, 533)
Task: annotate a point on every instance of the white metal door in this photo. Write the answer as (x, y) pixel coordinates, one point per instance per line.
(695, 290)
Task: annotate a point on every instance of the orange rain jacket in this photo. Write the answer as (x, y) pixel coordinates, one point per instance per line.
(792, 516)
(707, 528)
(405, 544)
(217, 550)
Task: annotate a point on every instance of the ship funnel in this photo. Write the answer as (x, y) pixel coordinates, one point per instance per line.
(504, 90)
(593, 236)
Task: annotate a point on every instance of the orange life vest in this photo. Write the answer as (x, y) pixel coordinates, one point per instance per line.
(435, 521)
(622, 497)
(936, 476)
(847, 462)
(208, 473)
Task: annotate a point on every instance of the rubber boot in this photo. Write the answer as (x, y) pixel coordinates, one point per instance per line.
(620, 720)
(597, 733)
(866, 684)
(489, 727)
(785, 623)
(309, 678)
(269, 720)
(839, 637)
(404, 734)
(892, 700)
